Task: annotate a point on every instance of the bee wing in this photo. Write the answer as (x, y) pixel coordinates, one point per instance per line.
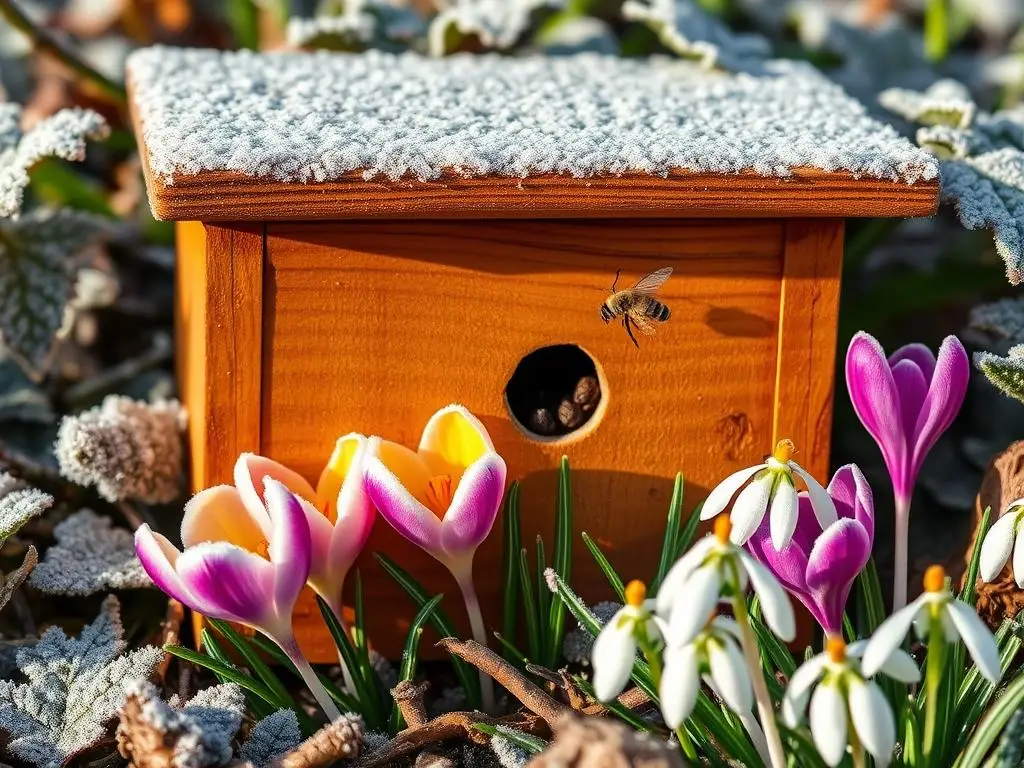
(645, 326)
(652, 282)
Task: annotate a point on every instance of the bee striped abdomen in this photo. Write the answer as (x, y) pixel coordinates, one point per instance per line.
(656, 310)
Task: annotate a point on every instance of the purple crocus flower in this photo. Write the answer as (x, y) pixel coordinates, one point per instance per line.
(906, 401)
(818, 566)
(222, 580)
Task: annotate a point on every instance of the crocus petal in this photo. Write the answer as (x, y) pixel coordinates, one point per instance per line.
(290, 544)
(917, 353)
(400, 508)
(783, 515)
(852, 495)
(343, 474)
(218, 514)
(680, 684)
(159, 559)
(474, 506)
(889, 636)
(788, 565)
(722, 493)
(775, 605)
(876, 402)
(976, 636)
(839, 554)
(828, 724)
(945, 396)
(1018, 558)
(872, 719)
(997, 546)
(612, 657)
(250, 470)
(899, 666)
(750, 508)
(232, 584)
(794, 703)
(821, 502)
(326, 576)
(729, 672)
(912, 387)
(679, 573)
(693, 611)
(453, 440)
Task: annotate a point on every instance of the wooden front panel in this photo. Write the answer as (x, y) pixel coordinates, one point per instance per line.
(372, 326)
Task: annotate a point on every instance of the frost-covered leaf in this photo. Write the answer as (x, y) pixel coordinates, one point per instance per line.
(90, 556)
(497, 24)
(271, 737)
(363, 24)
(946, 102)
(21, 399)
(578, 34)
(128, 449)
(1003, 319)
(1007, 373)
(35, 281)
(72, 689)
(19, 503)
(13, 580)
(689, 31)
(507, 752)
(62, 135)
(945, 142)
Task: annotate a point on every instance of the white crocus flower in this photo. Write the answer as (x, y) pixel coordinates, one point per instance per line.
(1006, 536)
(714, 569)
(846, 709)
(769, 488)
(713, 655)
(955, 619)
(633, 627)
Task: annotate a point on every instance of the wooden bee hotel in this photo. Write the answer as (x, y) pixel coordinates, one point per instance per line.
(365, 238)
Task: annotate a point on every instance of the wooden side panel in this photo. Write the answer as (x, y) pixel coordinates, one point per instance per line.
(807, 339)
(372, 326)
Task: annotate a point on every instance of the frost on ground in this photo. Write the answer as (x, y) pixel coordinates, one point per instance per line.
(314, 117)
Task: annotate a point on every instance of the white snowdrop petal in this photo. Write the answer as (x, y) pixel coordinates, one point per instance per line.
(729, 672)
(749, 509)
(1018, 558)
(612, 657)
(722, 493)
(679, 573)
(889, 637)
(727, 624)
(822, 504)
(872, 719)
(783, 515)
(680, 683)
(901, 666)
(828, 724)
(996, 548)
(691, 613)
(799, 689)
(978, 639)
(775, 605)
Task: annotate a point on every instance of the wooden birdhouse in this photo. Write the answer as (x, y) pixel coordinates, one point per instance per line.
(366, 238)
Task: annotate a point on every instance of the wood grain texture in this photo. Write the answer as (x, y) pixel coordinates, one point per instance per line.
(812, 263)
(372, 326)
(225, 196)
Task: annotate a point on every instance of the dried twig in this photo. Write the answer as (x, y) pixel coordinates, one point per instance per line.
(340, 740)
(170, 632)
(563, 681)
(632, 699)
(514, 681)
(409, 698)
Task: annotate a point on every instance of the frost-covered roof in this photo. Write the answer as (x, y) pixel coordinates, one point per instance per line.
(312, 117)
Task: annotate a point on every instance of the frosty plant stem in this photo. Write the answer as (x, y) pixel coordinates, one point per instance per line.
(464, 577)
(302, 666)
(899, 585)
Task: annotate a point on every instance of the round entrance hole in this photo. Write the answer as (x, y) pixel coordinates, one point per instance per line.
(556, 393)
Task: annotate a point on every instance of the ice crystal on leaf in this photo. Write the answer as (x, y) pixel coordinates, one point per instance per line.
(362, 24)
(73, 688)
(19, 503)
(127, 448)
(509, 755)
(946, 102)
(62, 135)
(497, 24)
(90, 556)
(1003, 319)
(35, 280)
(21, 399)
(689, 31)
(271, 737)
(1006, 373)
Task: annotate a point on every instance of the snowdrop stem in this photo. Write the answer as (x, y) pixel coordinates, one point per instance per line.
(764, 701)
(291, 649)
(933, 681)
(899, 585)
(859, 761)
(479, 631)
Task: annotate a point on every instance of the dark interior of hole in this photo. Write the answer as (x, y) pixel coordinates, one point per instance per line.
(554, 390)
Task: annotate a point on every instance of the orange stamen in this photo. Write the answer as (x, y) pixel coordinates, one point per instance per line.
(723, 528)
(784, 450)
(934, 578)
(439, 494)
(836, 649)
(636, 593)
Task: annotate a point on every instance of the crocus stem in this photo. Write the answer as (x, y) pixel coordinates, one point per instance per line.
(764, 702)
(291, 649)
(932, 682)
(346, 674)
(899, 579)
(476, 625)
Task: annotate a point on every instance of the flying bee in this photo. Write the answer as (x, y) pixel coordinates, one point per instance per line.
(637, 305)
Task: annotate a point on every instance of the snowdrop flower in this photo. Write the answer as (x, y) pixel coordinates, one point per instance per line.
(633, 626)
(768, 488)
(714, 655)
(936, 610)
(714, 569)
(846, 709)
(1006, 536)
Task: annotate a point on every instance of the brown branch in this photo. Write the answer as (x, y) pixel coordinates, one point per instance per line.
(514, 681)
(340, 740)
(632, 699)
(170, 632)
(409, 698)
